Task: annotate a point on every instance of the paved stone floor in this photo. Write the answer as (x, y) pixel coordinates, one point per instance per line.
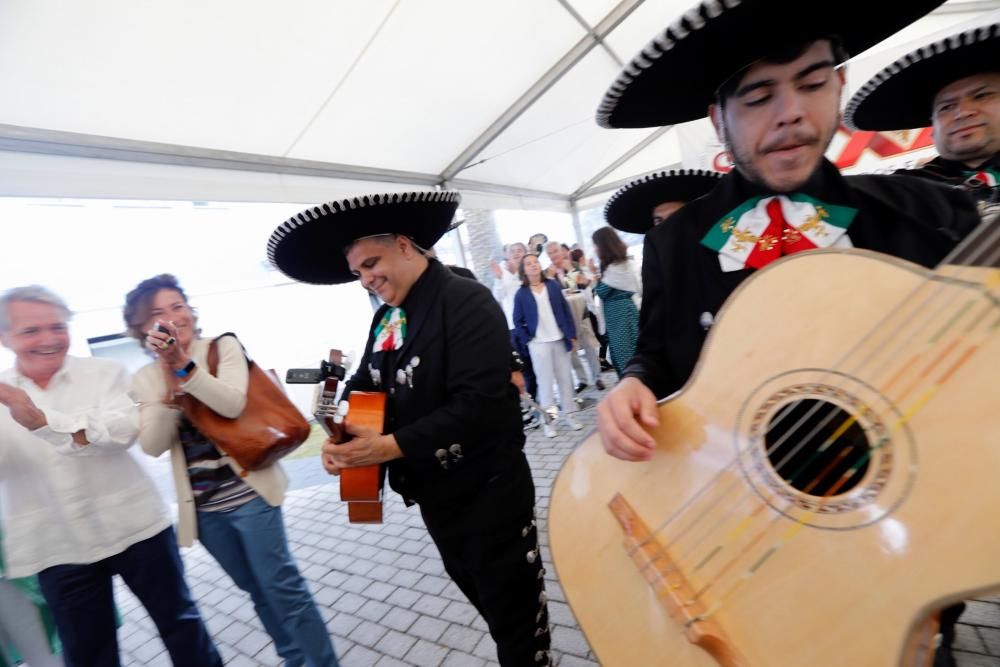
(383, 592)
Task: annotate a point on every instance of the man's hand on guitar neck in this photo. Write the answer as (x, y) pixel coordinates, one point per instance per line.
(367, 447)
(621, 417)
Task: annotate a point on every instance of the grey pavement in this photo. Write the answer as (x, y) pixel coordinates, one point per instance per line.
(384, 594)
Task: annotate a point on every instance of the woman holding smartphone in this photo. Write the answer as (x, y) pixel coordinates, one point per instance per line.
(236, 514)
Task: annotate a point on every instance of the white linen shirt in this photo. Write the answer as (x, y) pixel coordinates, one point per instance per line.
(504, 289)
(64, 503)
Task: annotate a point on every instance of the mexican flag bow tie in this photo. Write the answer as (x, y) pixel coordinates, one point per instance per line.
(762, 229)
(391, 331)
(988, 177)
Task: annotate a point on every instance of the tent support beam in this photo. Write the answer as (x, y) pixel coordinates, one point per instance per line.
(625, 157)
(19, 139)
(540, 87)
(611, 187)
(590, 31)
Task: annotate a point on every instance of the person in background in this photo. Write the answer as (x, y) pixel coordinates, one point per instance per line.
(952, 85)
(620, 291)
(78, 509)
(646, 202)
(27, 629)
(505, 285)
(594, 313)
(236, 514)
(545, 320)
(576, 278)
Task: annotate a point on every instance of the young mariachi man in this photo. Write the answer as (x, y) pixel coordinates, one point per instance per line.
(773, 95)
(953, 85)
(646, 202)
(453, 444)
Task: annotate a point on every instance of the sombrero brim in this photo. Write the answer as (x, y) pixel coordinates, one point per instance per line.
(674, 78)
(901, 96)
(309, 247)
(630, 209)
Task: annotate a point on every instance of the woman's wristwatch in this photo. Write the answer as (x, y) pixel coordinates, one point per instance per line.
(187, 370)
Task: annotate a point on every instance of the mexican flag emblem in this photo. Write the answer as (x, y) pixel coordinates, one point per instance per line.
(391, 331)
(762, 229)
(987, 177)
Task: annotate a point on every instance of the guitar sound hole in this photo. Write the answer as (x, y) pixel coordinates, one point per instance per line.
(807, 456)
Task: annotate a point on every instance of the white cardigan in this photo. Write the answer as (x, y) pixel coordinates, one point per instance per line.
(226, 394)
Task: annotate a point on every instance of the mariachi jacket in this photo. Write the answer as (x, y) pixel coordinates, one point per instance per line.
(456, 416)
(685, 285)
(982, 183)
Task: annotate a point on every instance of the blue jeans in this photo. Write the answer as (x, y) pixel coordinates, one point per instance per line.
(81, 599)
(250, 545)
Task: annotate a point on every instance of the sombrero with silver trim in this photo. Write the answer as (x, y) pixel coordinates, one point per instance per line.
(630, 209)
(674, 78)
(309, 247)
(901, 96)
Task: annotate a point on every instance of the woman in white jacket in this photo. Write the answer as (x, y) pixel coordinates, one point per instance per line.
(236, 514)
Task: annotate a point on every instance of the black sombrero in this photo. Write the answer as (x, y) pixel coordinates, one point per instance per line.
(309, 247)
(630, 209)
(901, 96)
(674, 78)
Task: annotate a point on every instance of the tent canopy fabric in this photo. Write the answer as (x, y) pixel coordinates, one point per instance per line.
(310, 100)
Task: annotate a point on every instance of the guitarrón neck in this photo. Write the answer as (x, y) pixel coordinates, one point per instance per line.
(980, 248)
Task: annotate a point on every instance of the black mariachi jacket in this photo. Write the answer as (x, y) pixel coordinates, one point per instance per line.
(684, 285)
(957, 174)
(459, 424)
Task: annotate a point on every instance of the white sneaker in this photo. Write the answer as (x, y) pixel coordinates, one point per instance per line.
(548, 430)
(572, 423)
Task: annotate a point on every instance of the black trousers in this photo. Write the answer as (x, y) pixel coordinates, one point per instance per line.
(490, 550)
(521, 347)
(82, 601)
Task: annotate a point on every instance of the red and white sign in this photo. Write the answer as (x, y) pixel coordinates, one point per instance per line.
(854, 152)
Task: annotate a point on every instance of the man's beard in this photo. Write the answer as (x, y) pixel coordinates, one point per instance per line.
(743, 161)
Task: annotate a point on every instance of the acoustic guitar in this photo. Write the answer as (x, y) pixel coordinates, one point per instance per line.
(825, 482)
(362, 487)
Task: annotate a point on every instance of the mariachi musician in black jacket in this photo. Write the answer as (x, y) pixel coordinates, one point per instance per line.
(453, 444)
(773, 95)
(952, 85)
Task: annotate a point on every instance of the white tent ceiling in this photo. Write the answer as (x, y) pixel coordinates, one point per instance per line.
(306, 100)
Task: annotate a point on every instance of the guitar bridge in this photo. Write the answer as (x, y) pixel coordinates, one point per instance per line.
(671, 586)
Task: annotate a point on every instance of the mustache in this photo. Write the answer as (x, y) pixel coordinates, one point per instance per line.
(790, 140)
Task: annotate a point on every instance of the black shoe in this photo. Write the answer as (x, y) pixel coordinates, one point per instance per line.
(580, 387)
(605, 366)
(600, 385)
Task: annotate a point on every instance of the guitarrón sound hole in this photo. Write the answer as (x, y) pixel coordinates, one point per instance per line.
(810, 448)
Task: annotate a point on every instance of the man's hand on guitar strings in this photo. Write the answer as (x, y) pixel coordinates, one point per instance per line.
(618, 421)
(367, 447)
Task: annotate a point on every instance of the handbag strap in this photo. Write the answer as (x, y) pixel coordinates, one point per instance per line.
(213, 352)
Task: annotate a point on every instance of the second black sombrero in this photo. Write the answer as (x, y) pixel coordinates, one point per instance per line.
(630, 209)
(309, 247)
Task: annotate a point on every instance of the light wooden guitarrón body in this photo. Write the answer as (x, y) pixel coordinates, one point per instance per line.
(786, 578)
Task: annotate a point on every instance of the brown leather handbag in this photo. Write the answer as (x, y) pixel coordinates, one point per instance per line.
(269, 427)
